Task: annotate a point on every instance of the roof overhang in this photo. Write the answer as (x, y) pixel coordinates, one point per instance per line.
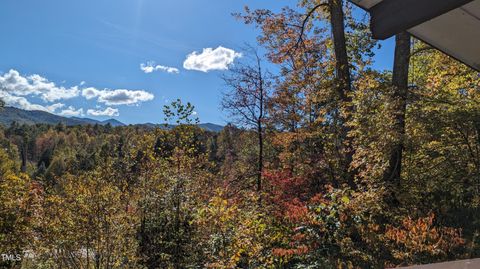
(452, 26)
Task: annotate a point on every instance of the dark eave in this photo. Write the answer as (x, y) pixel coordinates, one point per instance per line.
(390, 17)
(451, 26)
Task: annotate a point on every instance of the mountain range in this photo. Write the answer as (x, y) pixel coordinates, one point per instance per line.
(8, 115)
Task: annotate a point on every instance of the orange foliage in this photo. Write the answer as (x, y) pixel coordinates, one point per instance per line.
(418, 238)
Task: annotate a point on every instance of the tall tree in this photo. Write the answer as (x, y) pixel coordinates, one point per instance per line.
(246, 100)
(318, 53)
(343, 80)
(399, 101)
(342, 64)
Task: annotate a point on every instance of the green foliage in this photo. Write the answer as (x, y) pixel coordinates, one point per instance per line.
(180, 113)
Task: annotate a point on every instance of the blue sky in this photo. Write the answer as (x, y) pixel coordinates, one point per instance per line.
(87, 54)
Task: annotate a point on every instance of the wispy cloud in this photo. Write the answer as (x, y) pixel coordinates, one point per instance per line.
(211, 59)
(117, 97)
(110, 112)
(150, 67)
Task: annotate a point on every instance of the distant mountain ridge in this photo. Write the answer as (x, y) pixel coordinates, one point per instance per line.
(206, 126)
(113, 122)
(8, 115)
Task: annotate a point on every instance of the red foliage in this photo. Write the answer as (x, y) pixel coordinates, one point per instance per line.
(287, 194)
(288, 253)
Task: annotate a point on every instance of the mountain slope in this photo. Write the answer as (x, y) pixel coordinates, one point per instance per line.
(211, 127)
(8, 115)
(113, 122)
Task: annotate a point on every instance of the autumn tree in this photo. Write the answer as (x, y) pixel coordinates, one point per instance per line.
(21, 136)
(401, 64)
(343, 74)
(441, 170)
(172, 175)
(15, 210)
(248, 92)
(87, 224)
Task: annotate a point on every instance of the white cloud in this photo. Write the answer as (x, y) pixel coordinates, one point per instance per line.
(117, 97)
(23, 103)
(21, 91)
(54, 107)
(150, 67)
(16, 84)
(90, 93)
(110, 112)
(211, 59)
(71, 112)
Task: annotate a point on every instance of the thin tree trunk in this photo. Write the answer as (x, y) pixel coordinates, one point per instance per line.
(260, 132)
(343, 81)
(24, 157)
(177, 204)
(259, 126)
(400, 92)
(260, 156)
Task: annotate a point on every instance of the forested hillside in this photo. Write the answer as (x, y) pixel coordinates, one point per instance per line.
(10, 115)
(328, 163)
